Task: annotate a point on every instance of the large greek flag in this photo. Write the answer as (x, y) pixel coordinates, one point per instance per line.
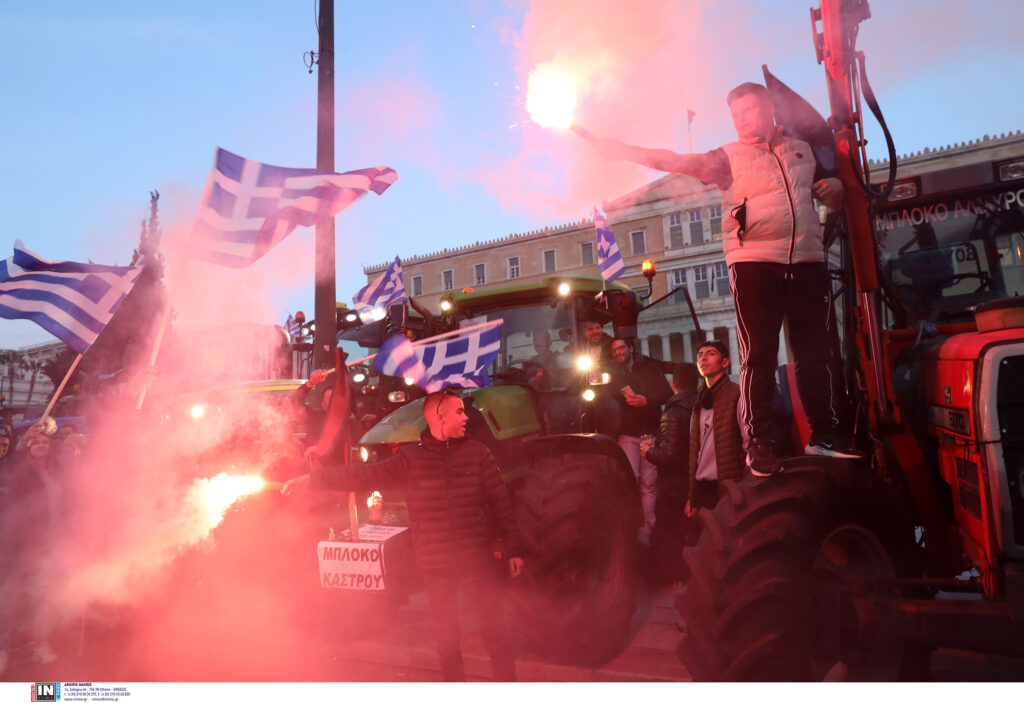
(458, 361)
(71, 301)
(609, 260)
(249, 206)
(373, 299)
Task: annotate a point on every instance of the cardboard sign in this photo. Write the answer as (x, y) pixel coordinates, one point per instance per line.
(357, 566)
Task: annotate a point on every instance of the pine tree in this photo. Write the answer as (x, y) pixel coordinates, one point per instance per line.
(129, 334)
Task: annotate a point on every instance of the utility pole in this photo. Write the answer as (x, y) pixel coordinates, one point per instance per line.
(325, 298)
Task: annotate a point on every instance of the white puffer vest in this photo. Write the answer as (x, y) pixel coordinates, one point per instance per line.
(782, 224)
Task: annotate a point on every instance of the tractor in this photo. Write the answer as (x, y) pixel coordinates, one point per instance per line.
(858, 570)
(576, 500)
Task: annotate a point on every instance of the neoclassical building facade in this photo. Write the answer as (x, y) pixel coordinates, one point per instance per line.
(676, 221)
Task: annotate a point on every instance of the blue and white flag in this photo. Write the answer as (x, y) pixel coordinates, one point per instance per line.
(373, 299)
(249, 206)
(609, 260)
(71, 301)
(293, 328)
(458, 361)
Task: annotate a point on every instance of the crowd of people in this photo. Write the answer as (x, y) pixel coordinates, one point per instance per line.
(681, 439)
(32, 496)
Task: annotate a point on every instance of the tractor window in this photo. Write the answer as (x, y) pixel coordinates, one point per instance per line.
(948, 256)
(537, 346)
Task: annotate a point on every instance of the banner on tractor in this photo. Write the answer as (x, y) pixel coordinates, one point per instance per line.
(356, 566)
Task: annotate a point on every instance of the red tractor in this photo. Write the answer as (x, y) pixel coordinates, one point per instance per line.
(838, 569)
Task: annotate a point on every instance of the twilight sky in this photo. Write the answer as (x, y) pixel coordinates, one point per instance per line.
(105, 101)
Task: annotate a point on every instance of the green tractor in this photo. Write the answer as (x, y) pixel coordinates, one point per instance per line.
(577, 502)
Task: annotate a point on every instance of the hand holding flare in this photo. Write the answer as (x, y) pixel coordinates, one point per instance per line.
(550, 101)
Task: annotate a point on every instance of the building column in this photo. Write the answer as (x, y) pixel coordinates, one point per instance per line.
(666, 349)
(734, 349)
(643, 346)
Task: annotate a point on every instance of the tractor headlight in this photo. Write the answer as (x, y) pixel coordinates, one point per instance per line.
(396, 397)
(589, 395)
(198, 411)
(599, 378)
(364, 454)
(584, 363)
(564, 289)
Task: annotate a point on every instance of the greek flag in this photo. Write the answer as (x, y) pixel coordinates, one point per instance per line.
(71, 301)
(249, 206)
(609, 260)
(459, 361)
(372, 300)
(292, 327)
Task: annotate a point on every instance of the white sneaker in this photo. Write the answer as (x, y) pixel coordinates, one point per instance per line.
(44, 654)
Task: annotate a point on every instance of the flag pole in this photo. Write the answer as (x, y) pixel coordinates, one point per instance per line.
(60, 388)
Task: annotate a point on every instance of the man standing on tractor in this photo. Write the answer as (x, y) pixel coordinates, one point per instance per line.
(777, 270)
(454, 491)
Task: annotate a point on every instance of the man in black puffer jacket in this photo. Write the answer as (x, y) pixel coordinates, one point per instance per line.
(453, 488)
(670, 452)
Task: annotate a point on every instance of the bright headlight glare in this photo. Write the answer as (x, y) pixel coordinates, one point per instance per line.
(564, 289)
(409, 381)
(198, 411)
(446, 305)
(584, 363)
(351, 317)
(588, 395)
(359, 377)
(364, 454)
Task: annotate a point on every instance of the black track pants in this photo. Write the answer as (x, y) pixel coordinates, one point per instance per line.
(765, 295)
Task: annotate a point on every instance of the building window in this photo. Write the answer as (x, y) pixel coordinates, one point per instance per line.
(721, 278)
(696, 228)
(448, 279)
(701, 285)
(677, 279)
(637, 241)
(417, 286)
(654, 348)
(587, 254)
(549, 260)
(479, 274)
(513, 267)
(675, 230)
(715, 213)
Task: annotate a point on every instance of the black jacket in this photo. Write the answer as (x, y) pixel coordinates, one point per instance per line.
(671, 450)
(647, 379)
(454, 492)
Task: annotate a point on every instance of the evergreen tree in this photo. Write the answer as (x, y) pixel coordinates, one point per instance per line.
(129, 334)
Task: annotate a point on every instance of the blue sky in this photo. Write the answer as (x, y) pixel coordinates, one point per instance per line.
(106, 101)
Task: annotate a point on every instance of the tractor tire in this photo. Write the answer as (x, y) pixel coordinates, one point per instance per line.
(576, 598)
(774, 572)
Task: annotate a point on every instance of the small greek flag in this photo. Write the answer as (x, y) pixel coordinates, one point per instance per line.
(458, 361)
(71, 301)
(293, 328)
(609, 260)
(373, 299)
(249, 206)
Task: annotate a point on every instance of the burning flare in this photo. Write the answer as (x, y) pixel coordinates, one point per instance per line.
(551, 97)
(211, 497)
